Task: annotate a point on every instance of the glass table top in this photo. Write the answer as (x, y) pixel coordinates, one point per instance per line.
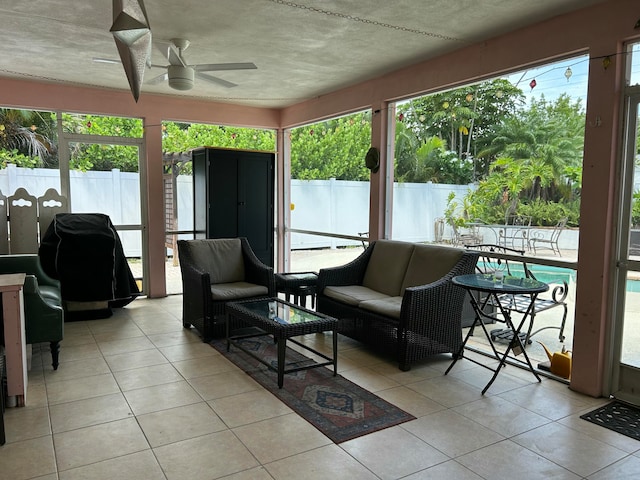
(487, 282)
(281, 312)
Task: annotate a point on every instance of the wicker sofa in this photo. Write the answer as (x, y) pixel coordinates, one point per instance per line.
(398, 298)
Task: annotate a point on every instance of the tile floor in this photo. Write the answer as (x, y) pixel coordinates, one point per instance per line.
(138, 397)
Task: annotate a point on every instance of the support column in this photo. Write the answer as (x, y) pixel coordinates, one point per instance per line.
(379, 206)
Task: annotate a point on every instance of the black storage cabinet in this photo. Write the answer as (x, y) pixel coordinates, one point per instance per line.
(233, 193)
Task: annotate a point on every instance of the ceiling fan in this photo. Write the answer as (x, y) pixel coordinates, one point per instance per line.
(180, 74)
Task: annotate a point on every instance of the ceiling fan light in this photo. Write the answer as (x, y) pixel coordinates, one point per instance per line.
(180, 78)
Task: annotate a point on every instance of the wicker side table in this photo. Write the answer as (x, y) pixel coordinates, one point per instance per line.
(300, 285)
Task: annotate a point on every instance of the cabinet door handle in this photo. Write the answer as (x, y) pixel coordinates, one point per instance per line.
(241, 204)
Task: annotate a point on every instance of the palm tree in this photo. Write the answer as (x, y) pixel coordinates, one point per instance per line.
(19, 132)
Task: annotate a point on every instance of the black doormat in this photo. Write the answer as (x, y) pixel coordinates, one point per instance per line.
(617, 416)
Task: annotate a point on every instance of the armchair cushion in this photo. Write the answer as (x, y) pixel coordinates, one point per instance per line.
(222, 259)
(236, 290)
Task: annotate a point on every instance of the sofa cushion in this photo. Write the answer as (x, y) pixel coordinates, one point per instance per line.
(353, 294)
(221, 258)
(430, 263)
(387, 266)
(389, 307)
(237, 290)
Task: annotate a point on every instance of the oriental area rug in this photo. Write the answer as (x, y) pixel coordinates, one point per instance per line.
(617, 416)
(337, 407)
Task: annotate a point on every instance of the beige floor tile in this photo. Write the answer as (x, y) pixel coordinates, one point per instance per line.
(89, 387)
(79, 352)
(204, 458)
(393, 453)
(322, 463)
(136, 466)
(447, 391)
(573, 450)
(97, 443)
(452, 433)
(37, 395)
(368, 379)
(85, 413)
(27, 459)
(161, 397)
(153, 325)
(77, 369)
(181, 423)
(615, 439)
(174, 338)
(280, 437)
(201, 366)
(249, 407)
(416, 374)
(450, 470)
(187, 351)
(479, 377)
(499, 415)
(223, 384)
(361, 357)
(507, 461)
(258, 473)
(410, 401)
(128, 361)
(130, 331)
(125, 345)
(147, 376)
(627, 468)
(551, 403)
(25, 423)
(75, 339)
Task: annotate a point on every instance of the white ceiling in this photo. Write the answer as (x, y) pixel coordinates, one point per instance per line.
(302, 48)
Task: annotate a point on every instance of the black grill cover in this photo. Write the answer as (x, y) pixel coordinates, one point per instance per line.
(83, 251)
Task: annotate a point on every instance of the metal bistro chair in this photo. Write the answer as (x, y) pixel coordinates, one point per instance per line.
(515, 232)
(498, 257)
(539, 240)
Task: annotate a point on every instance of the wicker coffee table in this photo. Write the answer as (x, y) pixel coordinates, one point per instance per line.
(282, 320)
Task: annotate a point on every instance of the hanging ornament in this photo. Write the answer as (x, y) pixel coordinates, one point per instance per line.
(469, 97)
(499, 93)
(422, 118)
(445, 105)
(568, 73)
(606, 61)
(533, 84)
(401, 117)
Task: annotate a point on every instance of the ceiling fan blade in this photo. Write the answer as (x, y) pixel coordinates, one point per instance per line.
(159, 79)
(106, 60)
(216, 80)
(216, 67)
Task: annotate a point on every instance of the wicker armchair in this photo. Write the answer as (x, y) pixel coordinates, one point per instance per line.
(422, 318)
(217, 271)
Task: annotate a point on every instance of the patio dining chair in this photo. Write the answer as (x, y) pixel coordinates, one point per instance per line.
(542, 239)
(498, 257)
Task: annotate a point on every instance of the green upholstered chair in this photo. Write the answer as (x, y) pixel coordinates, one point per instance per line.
(43, 312)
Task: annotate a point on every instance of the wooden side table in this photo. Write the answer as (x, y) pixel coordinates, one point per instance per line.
(11, 286)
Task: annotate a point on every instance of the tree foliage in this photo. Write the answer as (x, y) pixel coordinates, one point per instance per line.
(332, 149)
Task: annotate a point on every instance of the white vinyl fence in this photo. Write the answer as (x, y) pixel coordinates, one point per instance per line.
(334, 206)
